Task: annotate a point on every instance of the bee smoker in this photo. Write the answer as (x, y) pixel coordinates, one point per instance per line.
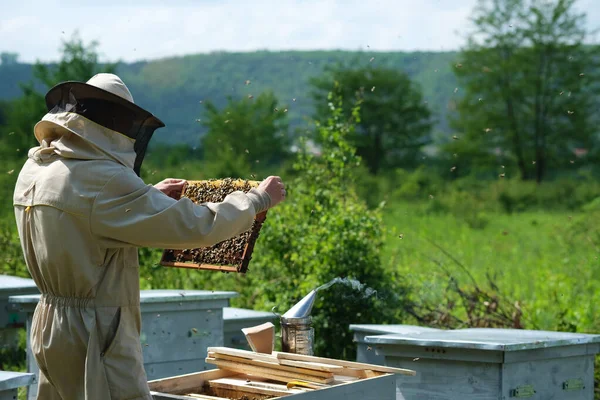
(297, 334)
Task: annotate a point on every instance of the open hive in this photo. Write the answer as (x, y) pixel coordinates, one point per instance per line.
(232, 255)
(248, 375)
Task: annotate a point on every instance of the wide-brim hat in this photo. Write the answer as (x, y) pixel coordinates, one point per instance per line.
(106, 101)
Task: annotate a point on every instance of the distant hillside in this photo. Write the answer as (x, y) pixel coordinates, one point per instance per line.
(172, 88)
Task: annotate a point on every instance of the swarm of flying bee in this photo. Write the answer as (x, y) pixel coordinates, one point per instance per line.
(230, 252)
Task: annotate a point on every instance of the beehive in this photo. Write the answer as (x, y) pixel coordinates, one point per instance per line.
(247, 375)
(232, 255)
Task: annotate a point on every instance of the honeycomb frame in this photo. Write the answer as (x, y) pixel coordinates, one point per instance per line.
(215, 257)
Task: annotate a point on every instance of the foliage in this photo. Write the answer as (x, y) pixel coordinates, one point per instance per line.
(11, 256)
(545, 261)
(246, 135)
(321, 232)
(530, 86)
(394, 121)
(79, 62)
(9, 58)
(171, 88)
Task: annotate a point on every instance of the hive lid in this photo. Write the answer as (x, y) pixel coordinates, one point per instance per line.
(14, 285)
(153, 296)
(12, 380)
(403, 329)
(166, 295)
(231, 313)
(486, 339)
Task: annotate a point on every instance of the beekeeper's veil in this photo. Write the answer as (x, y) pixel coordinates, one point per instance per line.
(102, 112)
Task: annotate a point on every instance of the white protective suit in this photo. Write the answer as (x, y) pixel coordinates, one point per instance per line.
(82, 212)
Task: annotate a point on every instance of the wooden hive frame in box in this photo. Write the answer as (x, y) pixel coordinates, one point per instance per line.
(232, 255)
(247, 375)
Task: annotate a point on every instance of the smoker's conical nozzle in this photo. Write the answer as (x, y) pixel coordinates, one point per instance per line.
(302, 308)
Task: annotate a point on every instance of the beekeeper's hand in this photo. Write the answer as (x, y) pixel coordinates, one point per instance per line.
(171, 187)
(275, 188)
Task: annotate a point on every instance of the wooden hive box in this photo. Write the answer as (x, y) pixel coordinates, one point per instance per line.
(492, 363)
(232, 255)
(246, 375)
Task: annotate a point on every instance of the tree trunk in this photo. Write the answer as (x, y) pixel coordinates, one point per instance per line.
(517, 148)
(512, 118)
(540, 156)
(537, 122)
(377, 155)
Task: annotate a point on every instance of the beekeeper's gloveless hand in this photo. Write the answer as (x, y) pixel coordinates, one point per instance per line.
(274, 188)
(171, 187)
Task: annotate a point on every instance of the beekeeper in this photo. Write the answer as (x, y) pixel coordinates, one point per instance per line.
(82, 211)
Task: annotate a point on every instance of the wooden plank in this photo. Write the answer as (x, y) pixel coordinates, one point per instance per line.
(278, 386)
(183, 383)
(322, 374)
(251, 355)
(253, 387)
(304, 384)
(282, 376)
(335, 369)
(167, 396)
(205, 397)
(351, 364)
(199, 266)
(311, 365)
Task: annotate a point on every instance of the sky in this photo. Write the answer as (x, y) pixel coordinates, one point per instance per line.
(143, 30)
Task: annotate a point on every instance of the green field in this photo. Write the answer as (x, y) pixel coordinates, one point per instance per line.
(548, 261)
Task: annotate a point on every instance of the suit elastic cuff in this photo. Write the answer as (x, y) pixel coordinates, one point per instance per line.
(260, 200)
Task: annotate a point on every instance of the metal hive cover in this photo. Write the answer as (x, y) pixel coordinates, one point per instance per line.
(486, 339)
(232, 255)
(13, 285)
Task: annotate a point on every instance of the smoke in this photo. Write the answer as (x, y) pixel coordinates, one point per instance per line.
(366, 292)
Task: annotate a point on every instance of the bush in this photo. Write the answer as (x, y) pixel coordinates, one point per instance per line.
(321, 232)
(325, 231)
(11, 259)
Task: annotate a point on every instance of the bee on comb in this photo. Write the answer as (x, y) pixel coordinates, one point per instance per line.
(232, 255)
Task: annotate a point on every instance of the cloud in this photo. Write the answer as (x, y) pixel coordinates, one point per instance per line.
(139, 29)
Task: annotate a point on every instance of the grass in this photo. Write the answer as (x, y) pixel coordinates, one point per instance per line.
(546, 261)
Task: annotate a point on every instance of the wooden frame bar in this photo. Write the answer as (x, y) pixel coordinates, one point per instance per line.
(242, 267)
(243, 374)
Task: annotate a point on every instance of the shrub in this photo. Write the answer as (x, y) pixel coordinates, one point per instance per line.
(321, 232)
(325, 231)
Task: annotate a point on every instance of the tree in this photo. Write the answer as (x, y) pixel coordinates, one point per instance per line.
(18, 118)
(323, 231)
(9, 58)
(78, 62)
(394, 122)
(530, 88)
(245, 136)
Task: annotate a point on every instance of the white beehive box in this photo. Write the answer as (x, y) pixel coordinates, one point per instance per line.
(10, 382)
(10, 320)
(491, 364)
(258, 376)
